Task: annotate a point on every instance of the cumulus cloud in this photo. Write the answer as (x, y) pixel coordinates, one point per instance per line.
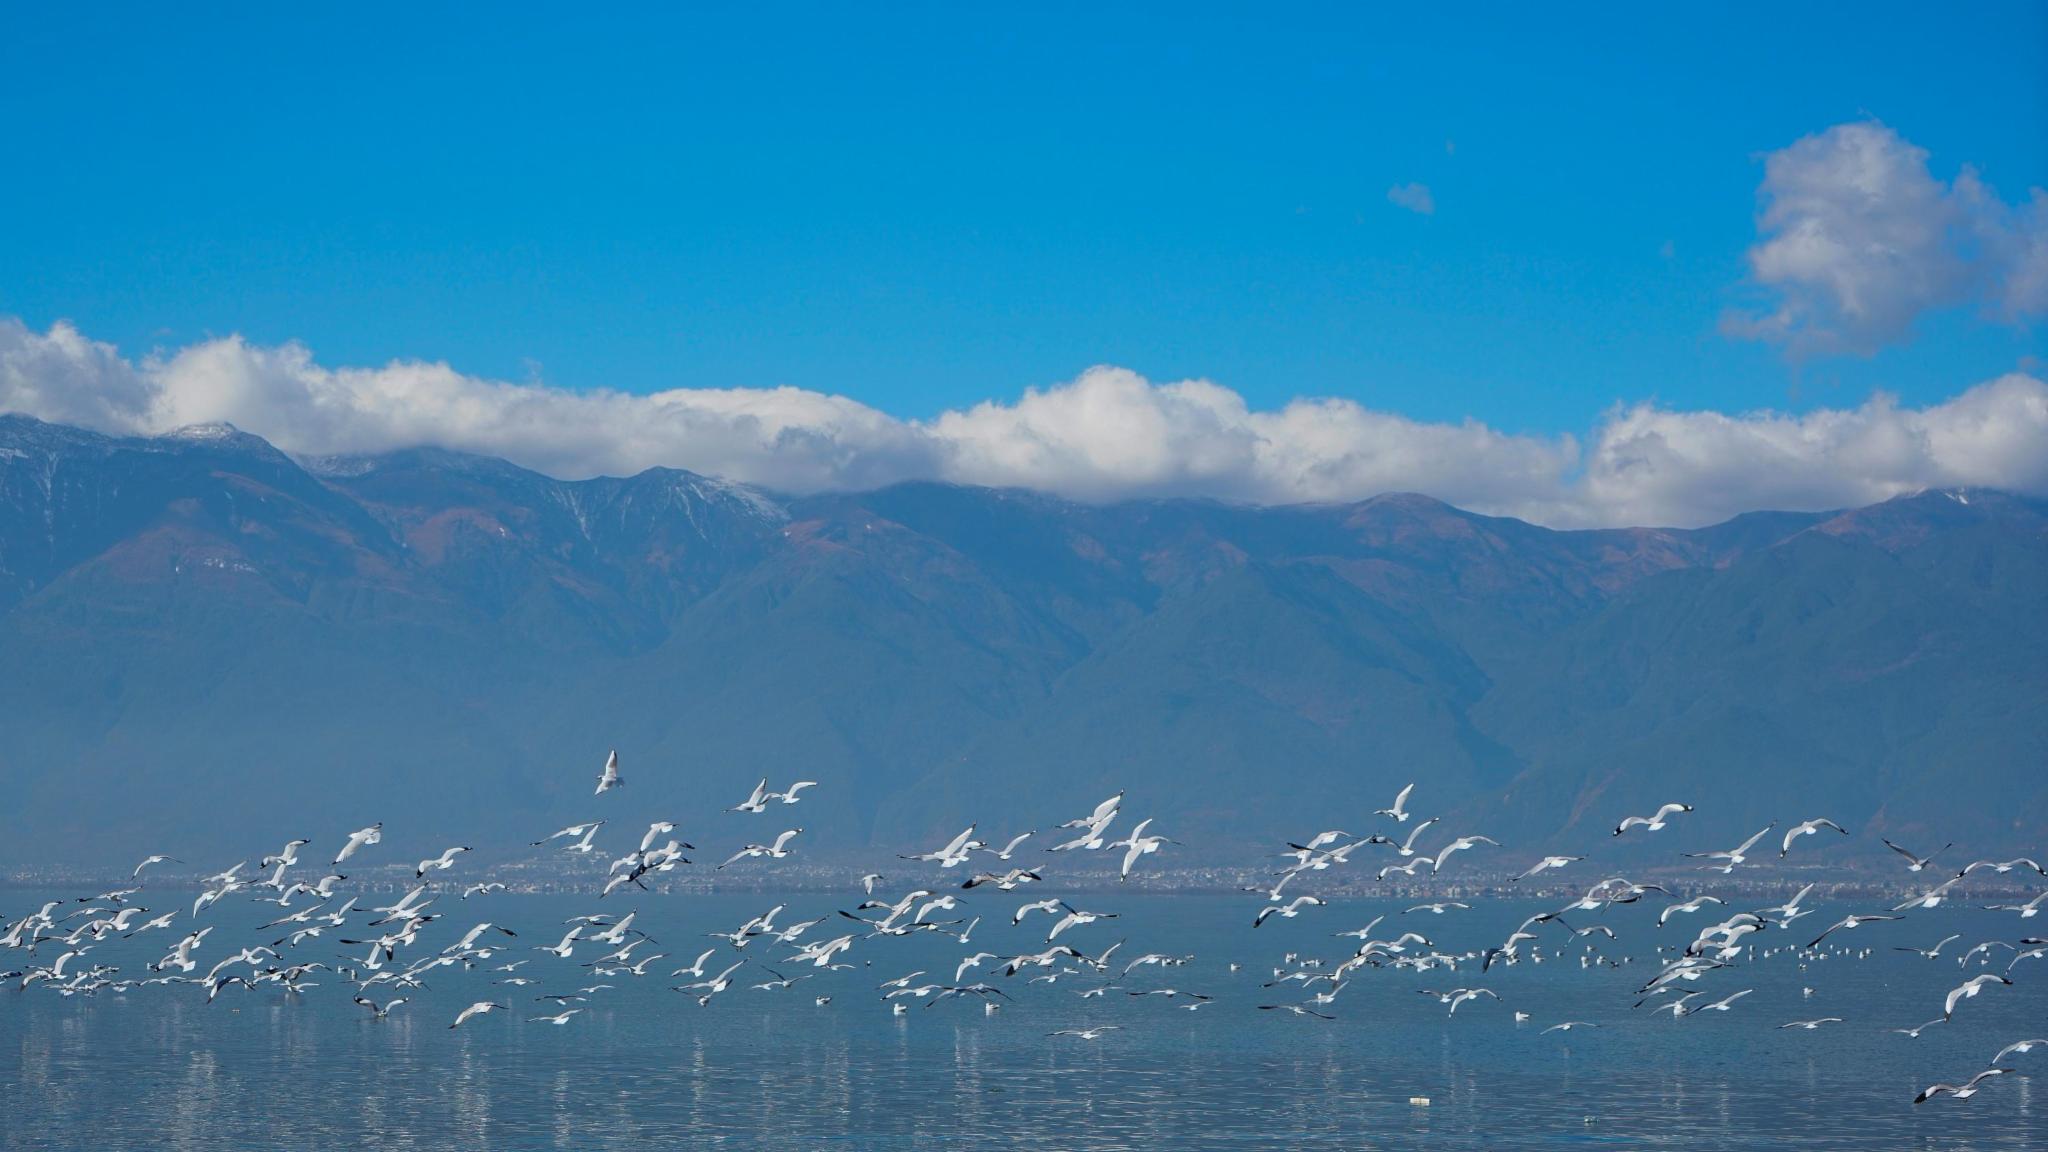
(1107, 434)
(1414, 197)
(1858, 238)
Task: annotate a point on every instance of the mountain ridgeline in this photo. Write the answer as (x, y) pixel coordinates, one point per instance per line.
(206, 644)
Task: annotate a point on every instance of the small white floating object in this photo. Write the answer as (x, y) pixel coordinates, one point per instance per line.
(1419, 1101)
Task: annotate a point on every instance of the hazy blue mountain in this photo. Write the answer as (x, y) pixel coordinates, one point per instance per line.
(205, 644)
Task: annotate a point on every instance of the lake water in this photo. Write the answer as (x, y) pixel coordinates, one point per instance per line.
(646, 1067)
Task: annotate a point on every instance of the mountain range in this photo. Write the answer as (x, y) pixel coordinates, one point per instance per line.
(207, 645)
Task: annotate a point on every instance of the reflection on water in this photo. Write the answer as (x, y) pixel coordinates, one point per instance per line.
(644, 1067)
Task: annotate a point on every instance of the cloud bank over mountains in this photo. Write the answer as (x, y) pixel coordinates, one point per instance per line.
(1107, 434)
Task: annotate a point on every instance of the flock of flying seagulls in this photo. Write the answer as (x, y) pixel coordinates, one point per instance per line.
(385, 962)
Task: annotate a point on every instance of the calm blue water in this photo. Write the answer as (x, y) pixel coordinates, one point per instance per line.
(645, 1067)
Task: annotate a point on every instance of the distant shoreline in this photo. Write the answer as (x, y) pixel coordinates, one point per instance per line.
(1861, 884)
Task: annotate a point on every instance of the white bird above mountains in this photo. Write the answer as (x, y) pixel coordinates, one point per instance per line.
(656, 831)
(286, 856)
(587, 843)
(571, 830)
(1916, 863)
(441, 863)
(1459, 845)
(788, 795)
(1807, 828)
(1734, 857)
(147, 861)
(357, 839)
(1138, 844)
(776, 851)
(1546, 864)
(1399, 809)
(1407, 847)
(608, 779)
(1006, 850)
(954, 853)
(1654, 822)
(1102, 812)
(756, 801)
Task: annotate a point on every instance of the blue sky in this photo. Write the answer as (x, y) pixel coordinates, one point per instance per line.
(926, 207)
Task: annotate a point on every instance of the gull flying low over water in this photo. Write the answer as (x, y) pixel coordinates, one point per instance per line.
(1848, 922)
(479, 1008)
(1929, 953)
(1289, 910)
(1810, 1025)
(1095, 1033)
(1790, 910)
(1961, 1091)
(380, 1011)
(1692, 905)
(1931, 898)
(2018, 1048)
(1296, 1009)
(1074, 918)
(2027, 911)
(1967, 990)
(1725, 1003)
(1457, 996)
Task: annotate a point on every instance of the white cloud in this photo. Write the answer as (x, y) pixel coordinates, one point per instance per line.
(1413, 197)
(1650, 465)
(1107, 434)
(1858, 239)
